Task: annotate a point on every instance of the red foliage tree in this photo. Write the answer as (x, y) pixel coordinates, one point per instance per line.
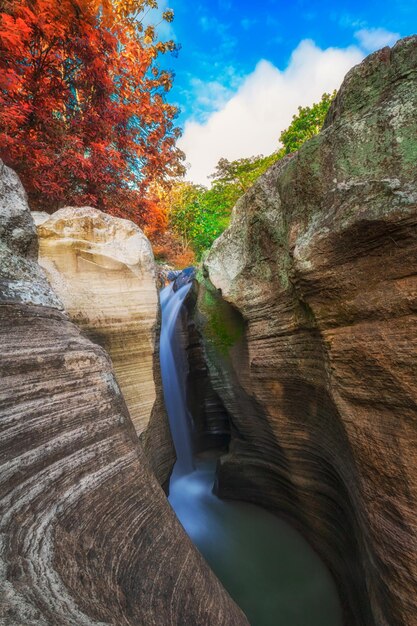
(83, 116)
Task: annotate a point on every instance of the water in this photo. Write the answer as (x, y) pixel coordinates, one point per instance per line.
(173, 378)
(267, 567)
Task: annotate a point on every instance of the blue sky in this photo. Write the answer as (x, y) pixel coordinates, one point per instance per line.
(235, 50)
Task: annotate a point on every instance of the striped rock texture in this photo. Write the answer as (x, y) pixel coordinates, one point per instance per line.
(86, 534)
(211, 425)
(103, 270)
(313, 344)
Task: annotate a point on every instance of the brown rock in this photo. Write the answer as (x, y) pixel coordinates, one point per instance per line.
(315, 359)
(87, 536)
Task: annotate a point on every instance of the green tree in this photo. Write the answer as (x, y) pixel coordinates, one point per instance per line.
(184, 210)
(242, 173)
(198, 215)
(307, 123)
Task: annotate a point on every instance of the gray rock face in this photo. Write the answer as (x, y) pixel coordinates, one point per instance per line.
(21, 279)
(313, 345)
(86, 534)
(17, 230)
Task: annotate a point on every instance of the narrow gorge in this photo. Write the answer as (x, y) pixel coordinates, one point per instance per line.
(268, 568)
(139, 430)
(87, 534)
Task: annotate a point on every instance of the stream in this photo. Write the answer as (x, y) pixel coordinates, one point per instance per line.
(267, 567)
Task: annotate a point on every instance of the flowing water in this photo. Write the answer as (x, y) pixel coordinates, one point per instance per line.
(267, 567)
(173, 371)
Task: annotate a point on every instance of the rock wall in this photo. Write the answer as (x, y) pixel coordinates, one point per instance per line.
(103, 270)
(210, 421)
(87, 536)
(311, 332)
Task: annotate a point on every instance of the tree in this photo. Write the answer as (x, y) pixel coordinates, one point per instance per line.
(83, 115)
(307, 123)
(198, 215)
(242, 173)
(154, 219)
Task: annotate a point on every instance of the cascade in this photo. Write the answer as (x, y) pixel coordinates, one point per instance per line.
(267, 567)
(173, 371)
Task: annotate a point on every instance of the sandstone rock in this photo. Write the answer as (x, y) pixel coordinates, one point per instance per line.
(103, 269)
(87, 536)
(39, 217)
(211, 422)
(315, 358)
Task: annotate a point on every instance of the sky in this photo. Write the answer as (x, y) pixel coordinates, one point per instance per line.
(245, 67)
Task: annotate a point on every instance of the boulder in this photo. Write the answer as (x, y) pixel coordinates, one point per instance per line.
(309, 312)
(21, 279)
(103, 270)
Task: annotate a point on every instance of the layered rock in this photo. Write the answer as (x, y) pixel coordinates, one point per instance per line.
(103, 270)
(311, 328)
(87, 536)
(211, 423)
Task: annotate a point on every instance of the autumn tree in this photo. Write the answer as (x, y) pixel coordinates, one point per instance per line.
(83, 114)
(154, 219)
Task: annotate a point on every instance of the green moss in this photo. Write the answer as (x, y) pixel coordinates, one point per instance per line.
(223, 325)
(199, 274)
(305, 314)
(409, 149)
(283, 274)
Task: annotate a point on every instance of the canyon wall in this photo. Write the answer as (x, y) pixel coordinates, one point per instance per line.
(103, 270)
(87, 536)
(211, 424)
(308, 304)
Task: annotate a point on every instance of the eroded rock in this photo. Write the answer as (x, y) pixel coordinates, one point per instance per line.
(315, 358)
(21, 278)
(87, 536)
(103, 269)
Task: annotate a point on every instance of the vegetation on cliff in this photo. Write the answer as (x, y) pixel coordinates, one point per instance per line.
(197, 215)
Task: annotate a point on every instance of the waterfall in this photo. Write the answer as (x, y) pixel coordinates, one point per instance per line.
(173, 370)
(265, 565)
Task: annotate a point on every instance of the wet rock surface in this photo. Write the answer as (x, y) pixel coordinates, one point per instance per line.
(87, 536)
(210, 421)
(182, 277)
(308, 306)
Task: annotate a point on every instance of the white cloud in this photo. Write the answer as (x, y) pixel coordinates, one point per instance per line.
(251, 121)
(371, 39)
(209, 96)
